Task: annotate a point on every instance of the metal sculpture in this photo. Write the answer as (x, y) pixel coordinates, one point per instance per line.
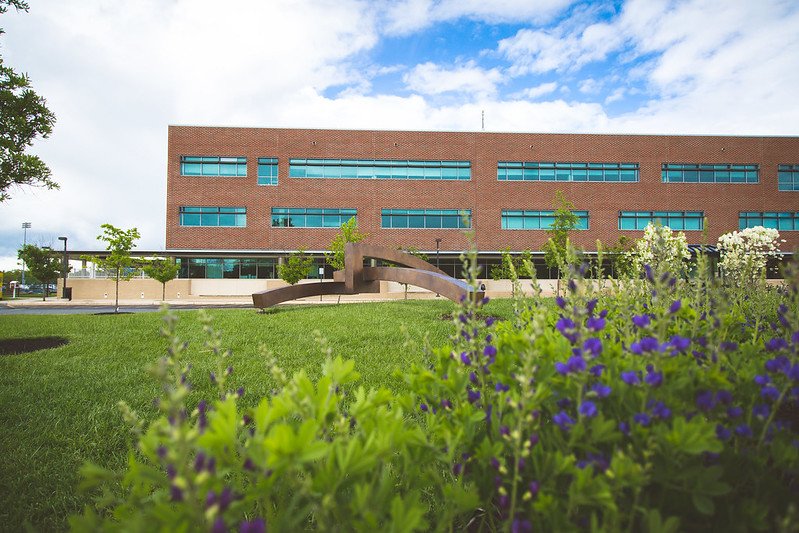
(357, 279)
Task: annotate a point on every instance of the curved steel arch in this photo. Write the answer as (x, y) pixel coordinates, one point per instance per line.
(360, 279)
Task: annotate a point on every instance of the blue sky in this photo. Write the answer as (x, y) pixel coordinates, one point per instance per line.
(118, 72)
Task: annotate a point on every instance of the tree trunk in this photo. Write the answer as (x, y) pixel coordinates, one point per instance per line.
(163, 292)
(116, 294)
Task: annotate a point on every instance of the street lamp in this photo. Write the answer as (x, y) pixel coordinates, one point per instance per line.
(25, 227)
(65, 269)
(438, 249)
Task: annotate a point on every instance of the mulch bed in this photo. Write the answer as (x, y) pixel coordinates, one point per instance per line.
(30, 344)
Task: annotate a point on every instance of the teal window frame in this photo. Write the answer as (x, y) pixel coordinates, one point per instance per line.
(213, 216)
(213, 166)
(788, 178)
(568, 171)
(747, 173)
(779, 220)
(380, 169)
(515, 219)
(311, 217)
(425, 218)
(267, 170)
(676, 220)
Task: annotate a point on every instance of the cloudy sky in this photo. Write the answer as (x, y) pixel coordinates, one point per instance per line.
(117, 72)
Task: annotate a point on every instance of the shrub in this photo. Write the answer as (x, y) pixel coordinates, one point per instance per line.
(662, 250)
(745, 253)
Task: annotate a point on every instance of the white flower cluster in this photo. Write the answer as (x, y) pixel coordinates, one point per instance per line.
(744, 254)
(661, 249)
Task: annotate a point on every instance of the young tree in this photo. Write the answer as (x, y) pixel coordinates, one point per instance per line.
(296, 267)
(414, 251)
(42, 263)
(162, 270)
(347, 233)
(119, 243)
(557, 246)
(23, 118)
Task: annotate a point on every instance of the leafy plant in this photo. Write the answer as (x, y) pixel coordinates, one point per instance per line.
(42, 263)
(162, 270)
(296, 267)
(348, 232)
(119, 243)
(556, 249)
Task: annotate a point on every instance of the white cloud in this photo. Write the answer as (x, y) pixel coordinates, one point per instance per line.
(412, 15)
(616, 95)
(589, 86)
(429, 78)
(534, 92)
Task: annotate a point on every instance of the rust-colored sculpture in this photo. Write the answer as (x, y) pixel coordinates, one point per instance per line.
(356, 278)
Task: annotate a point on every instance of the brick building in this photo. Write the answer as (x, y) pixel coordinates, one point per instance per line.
(239, 199)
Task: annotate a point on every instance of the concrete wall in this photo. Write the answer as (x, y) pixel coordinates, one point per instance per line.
(141, 289)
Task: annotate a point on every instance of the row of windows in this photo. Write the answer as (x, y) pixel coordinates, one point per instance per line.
(380, 169)
(788, 175)
(549, 171)
(707, 173)
(299, 217)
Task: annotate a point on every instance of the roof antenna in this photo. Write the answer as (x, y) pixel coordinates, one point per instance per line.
(483, 119)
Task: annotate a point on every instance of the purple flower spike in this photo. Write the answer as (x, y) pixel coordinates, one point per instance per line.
(423, 407)
(219, 526)
(654, 379)
(563, 420)
(501, 387)
(561, 302)
(727, 346)
(734, 411)
(176, 494)
(588, 409)
(793, 373)
(562, 368)
(473, 378)
(761, 410)
(473, 395)
(724, 397)
(521, 525)
(770, 393)
(590, 306)
(225, 498)
(679, 343)
(722, 433)
(743, 430)
(762, 380)
(675, 306)
(795, 338)
(778, 364)
(595, 323)
(534, 487)
(660, 410)
(465, 359)
(776, 344)
(534, 438)
(601, 390)
(210, 499)
(648, 272)
(213, 378)
(596, 370)
(705, 400)
(641, 321)
(624, 427)
(253, 526)
(576, 363)
(642, 419)
(490, 351)
(630, 377)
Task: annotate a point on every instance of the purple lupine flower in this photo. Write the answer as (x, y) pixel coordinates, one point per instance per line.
(501, 387)
(761, 410)
(465, 359)
(560, 301)
(534, 438)
(743, 430)
(576, 363)
(593, 346)
(778, 364)
(211, 465)
(240, 392)
(770, 393)
(724, 397)
(722, 433)
(564, 403)
(776, 344)
(795, 338)
(161, 451)
(641, 321)
(705, 400)
(473, 378)
(642, 419)
(588, 409)
(679, 343)
(534, 487)
(590, 305)
(171, 472)
(473, 395)
(648, 273)
(490, 351)
(793, 373)
(175, 493)
(494, 463)
(566, 327)
(596, 370)
(219, 526)
(253, 526)
(595, 323)
(727, 346)
(734, 411)
(563, 420)
(675, 306)
(572, 285)
(624, 427)
(446, 404)
(457, 468)
(213, 378)
(226, 497)
(229, 371)
(490, 321)
(503, 501)
(199, 462)
(562, 368)
(249, 465)
(659, 410)
(630, 377)
(521, 463)
(423, 407)
(653, 379)
(762, 380)
(601, 390)
(210, 499)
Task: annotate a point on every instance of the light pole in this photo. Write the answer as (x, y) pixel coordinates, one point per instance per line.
(25, 226)
(438, 249)
(65, 268)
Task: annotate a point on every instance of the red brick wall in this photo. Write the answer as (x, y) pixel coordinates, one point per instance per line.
(484, 194)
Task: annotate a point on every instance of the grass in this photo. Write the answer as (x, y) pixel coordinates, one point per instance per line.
(59, 406)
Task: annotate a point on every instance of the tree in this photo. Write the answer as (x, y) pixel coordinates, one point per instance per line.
(24, 117)
(42, 263)
(557, 246)
(347, 233)
(163, 270)
(414, 251)
(119, 243)
(296, 267)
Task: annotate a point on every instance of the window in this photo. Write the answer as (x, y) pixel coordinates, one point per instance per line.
(300, 217)
(213, 166)
(549, 171)
(267, 171)
(785, 221)
(708, 173)
(426, 218)
(380, 169)
(537, 219)
(676, 220)
(213, 216)
(788, 177)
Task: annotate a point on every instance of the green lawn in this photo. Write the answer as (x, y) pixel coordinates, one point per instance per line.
(59, 406)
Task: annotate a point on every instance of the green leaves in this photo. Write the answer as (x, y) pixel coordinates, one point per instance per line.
(693, 437)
